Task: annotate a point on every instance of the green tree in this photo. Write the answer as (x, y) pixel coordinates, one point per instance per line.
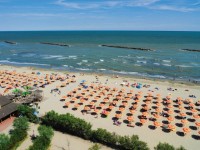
(17, 91)
(181, 148)
(164, 146)
(132, 143)
(105, 137)
(28, 112)
(43, 141)
(4, 142)
(21, 124)
(46, 132)
(19, 133)
(27, 88)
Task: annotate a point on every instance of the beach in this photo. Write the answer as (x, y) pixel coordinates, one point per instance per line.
(147, 88)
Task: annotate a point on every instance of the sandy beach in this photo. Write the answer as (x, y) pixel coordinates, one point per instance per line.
(147, 88)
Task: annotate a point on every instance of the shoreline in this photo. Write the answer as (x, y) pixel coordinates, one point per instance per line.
(131, 77)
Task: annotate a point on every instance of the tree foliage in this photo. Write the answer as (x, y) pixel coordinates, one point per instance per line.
(164, 146)
(19, 133)
(4, 142)
(28, 112)
(68, 123)
(42, 142)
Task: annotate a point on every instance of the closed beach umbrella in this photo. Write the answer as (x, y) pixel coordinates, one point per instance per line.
(171, 127)
(186, 130)
(196, 116)
(197, 124)
(170, 118)
(156, 124)
(183, 121)
(142, 121)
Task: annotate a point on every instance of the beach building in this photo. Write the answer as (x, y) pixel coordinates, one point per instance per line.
(7, 107)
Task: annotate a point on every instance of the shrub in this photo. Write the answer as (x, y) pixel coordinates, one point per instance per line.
(4, 142)
(164, 146)
(104, 137)
(68, 124)
(181, 148)
(95, 147)
(19, 133)
(28, 112)
(43, 141)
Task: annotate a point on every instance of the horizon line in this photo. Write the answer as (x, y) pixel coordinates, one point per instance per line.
(101, 30)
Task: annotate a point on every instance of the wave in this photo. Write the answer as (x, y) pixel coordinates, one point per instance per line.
(157, 76)
(183, 66)
(62, 58)
(125, 56)
(83, 69)
(101, 60)
(168, 65)
(101, 69)
(72, 56)
(156, 64)
(140, 74)
(52, 56)
(79, 63)
(85, 61)
(167, 61)
(22, 63)
(195, 64)
(139, 57)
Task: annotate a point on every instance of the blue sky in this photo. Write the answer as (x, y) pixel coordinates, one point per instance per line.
(181, 15)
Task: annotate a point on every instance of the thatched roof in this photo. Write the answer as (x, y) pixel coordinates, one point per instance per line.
(8, 109)
(4, 100)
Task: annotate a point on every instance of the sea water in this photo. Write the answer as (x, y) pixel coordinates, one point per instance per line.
(86, 54)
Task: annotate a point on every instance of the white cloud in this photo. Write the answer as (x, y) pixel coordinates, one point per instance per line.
(104, 4)
(149, 4)
(172, 8)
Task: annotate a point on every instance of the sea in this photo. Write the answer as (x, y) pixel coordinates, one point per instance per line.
(85, 53)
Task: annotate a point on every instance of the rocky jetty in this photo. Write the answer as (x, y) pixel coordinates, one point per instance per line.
(126, 47)
(191, 50)
(10, 42)
(57, 44)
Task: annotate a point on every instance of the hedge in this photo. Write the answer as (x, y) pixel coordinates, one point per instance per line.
(166, 146)
(69, 124)
(42, 142)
